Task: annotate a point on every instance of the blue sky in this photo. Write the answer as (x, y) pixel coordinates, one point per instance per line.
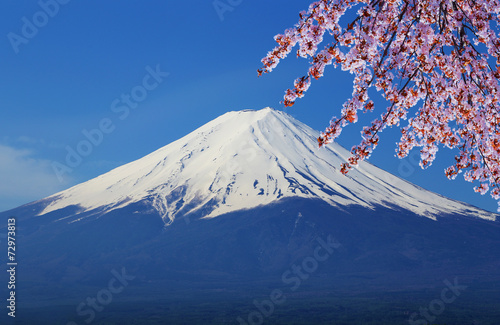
(68, 72)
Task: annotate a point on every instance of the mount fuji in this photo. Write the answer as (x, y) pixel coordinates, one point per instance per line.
(242, 160)
(232, 211)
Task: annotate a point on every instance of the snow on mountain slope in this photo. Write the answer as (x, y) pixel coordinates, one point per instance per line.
(245, 159)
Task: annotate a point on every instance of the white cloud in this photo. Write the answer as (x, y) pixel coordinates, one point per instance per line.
(25, 178)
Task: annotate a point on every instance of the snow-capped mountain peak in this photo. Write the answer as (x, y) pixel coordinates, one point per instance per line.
(244, 159)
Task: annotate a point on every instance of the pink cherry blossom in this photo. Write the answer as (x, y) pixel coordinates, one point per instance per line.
(437, 63)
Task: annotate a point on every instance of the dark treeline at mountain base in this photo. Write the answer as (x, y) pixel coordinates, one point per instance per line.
(341, 308)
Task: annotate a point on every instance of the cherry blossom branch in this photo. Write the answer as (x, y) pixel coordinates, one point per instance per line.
(428, 46)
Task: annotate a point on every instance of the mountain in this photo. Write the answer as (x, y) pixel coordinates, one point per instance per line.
(242, 160)
(243, 206)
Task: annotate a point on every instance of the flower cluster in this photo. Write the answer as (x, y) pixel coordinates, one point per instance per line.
(436, 62)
